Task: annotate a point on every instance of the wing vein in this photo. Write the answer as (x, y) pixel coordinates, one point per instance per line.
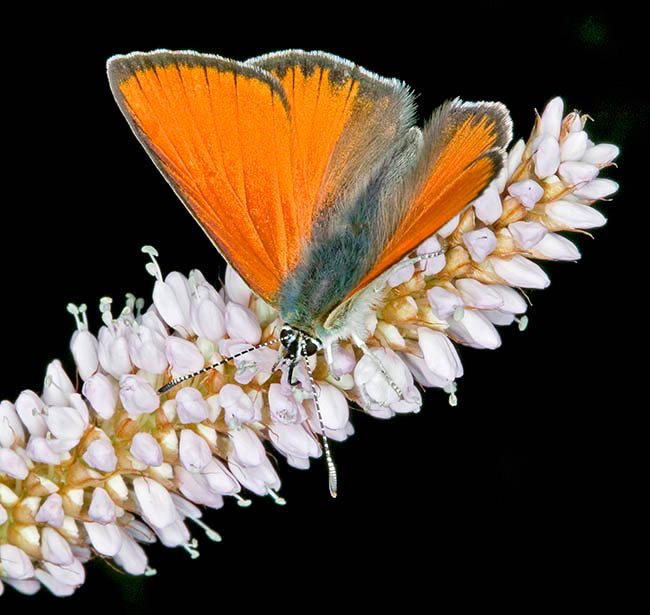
(252, 224)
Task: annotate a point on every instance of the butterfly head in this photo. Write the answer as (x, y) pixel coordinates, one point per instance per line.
(297, 343)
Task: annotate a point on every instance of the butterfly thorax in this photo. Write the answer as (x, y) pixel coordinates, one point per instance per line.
(332, 266)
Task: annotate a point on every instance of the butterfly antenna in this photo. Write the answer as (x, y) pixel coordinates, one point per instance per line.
(328, 455)
(172, 383)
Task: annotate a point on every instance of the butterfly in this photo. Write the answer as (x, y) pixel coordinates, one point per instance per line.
(307, 173)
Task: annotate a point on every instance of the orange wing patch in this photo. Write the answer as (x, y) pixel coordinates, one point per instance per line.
(220, 133)
(344, 121)
(320, 111)
(462, 152)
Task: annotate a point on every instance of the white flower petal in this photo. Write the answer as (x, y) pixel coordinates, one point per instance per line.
(102, 394)
(598, 188)
(440, 355)
(12, 463)
(15, 563)
(105, 538)
(102, 508)
(236, 289)
(137, 395)
(528, 191)
(101, 455)
(575, 215)
(514, 160)
(58, 386)
(601, 154)
(519, 271)
(39, 450)
(527, 234)
(575, 172)
(83, 346)
(512, 300)
(11, 428)
(246, 447)
(195, 487)
(183, 356)
(449, 227)
(145, 448)
(551, 118)
(334, 406)
(194, 451)
(488, 207)
(31, 410)
(219, 479)
(478, 295)
(190, 406)
(295, 442)
(131, 556)
(155, 501)
(55, 548)
(400, 274)
(238, 406)
(546, 156)
(51, 511)
(557, 247)
(574, 146)
(242, 324)
(475, 330)
(53, 584)
(480, 243)
(444, 302)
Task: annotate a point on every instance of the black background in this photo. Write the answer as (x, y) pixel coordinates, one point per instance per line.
(522, 492)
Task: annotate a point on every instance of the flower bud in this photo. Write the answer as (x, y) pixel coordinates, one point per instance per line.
(190, 406)
(102, 394)
(145, 448)
(137, 395)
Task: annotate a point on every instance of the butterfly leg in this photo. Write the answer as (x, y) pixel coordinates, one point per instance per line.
(380, 287)
(364, 348)
(292, 365)
(291, 362)
(329, 359)
(421, 257)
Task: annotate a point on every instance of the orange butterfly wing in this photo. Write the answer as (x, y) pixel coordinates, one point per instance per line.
(256, 157)
(219, 132)
(462, 151)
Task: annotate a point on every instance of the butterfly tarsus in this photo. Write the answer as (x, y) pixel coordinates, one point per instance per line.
(366, 351)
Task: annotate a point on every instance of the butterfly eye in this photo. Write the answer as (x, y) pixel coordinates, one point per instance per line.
(312, 345)
(288, 336)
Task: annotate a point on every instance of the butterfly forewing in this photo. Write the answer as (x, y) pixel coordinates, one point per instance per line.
(219, 131)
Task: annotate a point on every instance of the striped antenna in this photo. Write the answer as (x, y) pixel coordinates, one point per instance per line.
(172, 383)
(331, 469)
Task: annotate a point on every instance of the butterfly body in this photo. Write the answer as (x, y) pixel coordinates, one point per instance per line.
(307, 172)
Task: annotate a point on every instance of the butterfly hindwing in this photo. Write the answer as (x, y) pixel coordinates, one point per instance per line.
(462, 150)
